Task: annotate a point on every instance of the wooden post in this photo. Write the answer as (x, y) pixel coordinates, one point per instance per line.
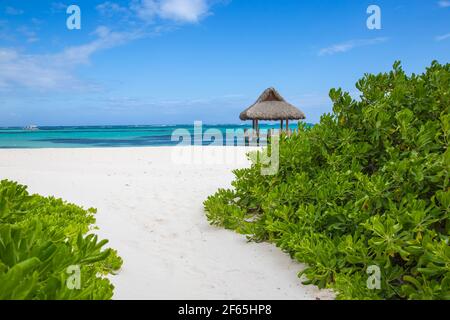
(281, 125)
(287, 127)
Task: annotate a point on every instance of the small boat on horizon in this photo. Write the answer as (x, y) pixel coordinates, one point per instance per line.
(31, 128)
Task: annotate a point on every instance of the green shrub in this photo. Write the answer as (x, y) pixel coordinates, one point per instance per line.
(368, 186)
(40, 239)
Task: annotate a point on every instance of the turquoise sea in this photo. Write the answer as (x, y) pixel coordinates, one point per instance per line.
(107, 136)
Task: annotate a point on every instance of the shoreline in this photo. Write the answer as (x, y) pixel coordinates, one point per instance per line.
(151, 210)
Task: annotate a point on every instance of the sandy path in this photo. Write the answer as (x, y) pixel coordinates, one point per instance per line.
(151, 211)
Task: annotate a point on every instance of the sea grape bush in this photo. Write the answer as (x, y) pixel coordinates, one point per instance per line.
(40, 238)
(368, 186)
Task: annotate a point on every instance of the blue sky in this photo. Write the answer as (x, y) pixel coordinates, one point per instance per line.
(177, 61)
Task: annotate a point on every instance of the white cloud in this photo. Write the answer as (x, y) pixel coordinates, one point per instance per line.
(55, 71)
(190, 11)
(444, 4)
(443, 37)
(105, 39)
(349, 45)
(187, 11)
(57, 7)
(5, 33)
(110, 7)
(13, 11)
(184, 10)
(29, 34)
(30, 71)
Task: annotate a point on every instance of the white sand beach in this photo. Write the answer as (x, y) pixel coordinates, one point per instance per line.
(151, 210)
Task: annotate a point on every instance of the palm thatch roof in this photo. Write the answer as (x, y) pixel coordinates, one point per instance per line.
(272, 106)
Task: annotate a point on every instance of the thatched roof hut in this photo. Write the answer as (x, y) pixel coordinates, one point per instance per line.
(271, 106)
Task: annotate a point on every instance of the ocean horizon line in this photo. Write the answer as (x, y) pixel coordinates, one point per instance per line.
(274, 123)
(104, 136)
